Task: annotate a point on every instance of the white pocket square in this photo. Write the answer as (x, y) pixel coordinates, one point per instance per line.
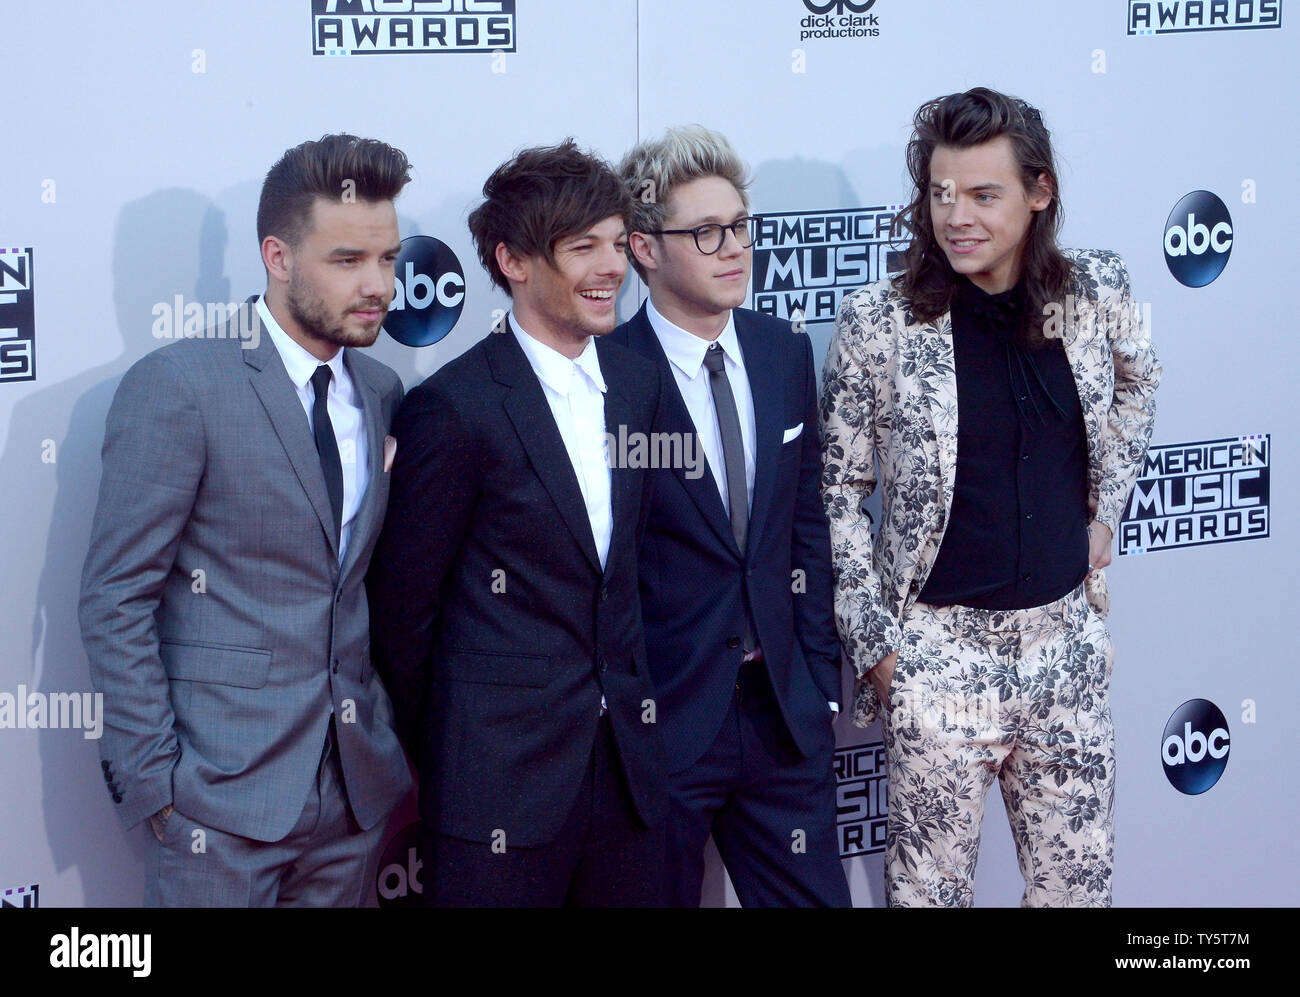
(792, 433)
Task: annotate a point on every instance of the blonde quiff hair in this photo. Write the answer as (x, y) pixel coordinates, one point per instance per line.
(654, 168)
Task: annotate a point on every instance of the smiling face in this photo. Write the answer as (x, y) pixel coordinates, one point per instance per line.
(565, 303)
(981, 211)
(333, 289)
(694, 291)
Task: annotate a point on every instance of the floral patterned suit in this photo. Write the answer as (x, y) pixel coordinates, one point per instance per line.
(1022, 679)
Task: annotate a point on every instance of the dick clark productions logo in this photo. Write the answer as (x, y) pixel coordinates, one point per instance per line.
(839, 6)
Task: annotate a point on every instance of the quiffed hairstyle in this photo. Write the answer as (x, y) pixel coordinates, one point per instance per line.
(377, 172)
(542, 195)
(962, 120)
(655, 168)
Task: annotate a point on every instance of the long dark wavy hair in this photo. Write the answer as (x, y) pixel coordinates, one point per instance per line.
(962, 120)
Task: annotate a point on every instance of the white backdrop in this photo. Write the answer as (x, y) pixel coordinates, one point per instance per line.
(137, 138)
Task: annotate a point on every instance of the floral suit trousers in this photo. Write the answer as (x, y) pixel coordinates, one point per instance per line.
(1021, 696)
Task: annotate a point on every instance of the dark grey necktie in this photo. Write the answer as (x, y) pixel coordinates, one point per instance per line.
(327, 446)
(733, 448)
(733, 457)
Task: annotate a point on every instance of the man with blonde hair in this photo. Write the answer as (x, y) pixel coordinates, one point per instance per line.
(735, 566)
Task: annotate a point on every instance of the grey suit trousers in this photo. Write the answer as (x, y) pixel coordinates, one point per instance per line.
(327, 860)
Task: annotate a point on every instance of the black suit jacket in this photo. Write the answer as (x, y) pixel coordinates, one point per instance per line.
(695, 582)
(494, 623)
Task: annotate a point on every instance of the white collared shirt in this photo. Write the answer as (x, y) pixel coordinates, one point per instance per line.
(346, 415)
(685, 352)
(575, 390)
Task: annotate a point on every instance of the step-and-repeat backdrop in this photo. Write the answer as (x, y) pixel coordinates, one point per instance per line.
(136, 139)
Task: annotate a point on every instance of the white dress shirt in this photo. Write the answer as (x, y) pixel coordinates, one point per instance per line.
(346, 415)
(575, 390)
(685, 352)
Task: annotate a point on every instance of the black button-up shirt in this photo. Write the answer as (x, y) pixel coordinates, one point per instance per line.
(1017, 531)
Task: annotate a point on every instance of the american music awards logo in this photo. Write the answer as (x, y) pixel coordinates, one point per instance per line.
(861, 806)
(1173, 17)
(22, 896)
(806, 261)
(1191, 494)
(17, 316)
(411, 27)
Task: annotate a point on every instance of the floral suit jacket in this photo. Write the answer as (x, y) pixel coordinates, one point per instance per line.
(889, 402)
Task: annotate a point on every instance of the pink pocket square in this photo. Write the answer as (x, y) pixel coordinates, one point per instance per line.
(390, 451)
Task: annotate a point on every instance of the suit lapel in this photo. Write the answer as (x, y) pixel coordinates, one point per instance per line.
(928, 351)
(531, 415)
(1081, 351)
(370, 509)
(703, 490)
(767, 378)
(271, 382)
(622, 484)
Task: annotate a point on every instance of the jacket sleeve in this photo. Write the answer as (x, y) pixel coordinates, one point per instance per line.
(868, 630)
(153, 460)
(1133, 407)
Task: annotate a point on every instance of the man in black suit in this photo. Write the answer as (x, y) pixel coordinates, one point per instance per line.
(735, 566)
(504, 585)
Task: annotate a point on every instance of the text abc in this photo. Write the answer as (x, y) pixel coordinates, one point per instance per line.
(420, 290)
(1193, 746)
(1197, 238)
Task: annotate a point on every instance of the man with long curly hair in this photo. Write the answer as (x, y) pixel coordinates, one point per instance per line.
(1002, 396)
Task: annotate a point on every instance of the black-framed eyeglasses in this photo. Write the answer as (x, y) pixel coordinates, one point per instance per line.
(710, 236)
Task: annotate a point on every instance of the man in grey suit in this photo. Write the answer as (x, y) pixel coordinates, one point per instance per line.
(223, 608)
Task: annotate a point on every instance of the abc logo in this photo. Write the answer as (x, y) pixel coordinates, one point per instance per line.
(1198, 239)
(429, 293)
(1195, 746)
(398, 882)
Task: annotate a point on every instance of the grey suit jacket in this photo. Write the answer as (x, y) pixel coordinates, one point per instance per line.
(218, 622)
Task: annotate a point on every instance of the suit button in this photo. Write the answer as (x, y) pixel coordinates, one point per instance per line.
(338, 597)
(604, 665)
(336, 666)
(117, 797)
(604, 592)
(108, 776)
(105, 765)
(733, 642)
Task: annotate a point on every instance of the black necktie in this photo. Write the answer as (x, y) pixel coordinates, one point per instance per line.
(327, 446)
(733, 449)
